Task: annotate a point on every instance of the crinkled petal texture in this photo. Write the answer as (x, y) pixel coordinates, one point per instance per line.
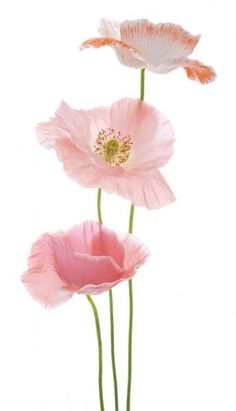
(88, 259)
(72, 133)
(160, 48)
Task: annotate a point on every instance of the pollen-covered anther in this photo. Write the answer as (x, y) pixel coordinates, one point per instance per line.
(113, 147)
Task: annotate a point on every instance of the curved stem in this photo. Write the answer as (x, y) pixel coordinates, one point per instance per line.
(99, 338)
(112, 328)
(131, 304)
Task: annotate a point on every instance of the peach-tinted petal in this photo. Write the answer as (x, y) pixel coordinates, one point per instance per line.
(158, 44)
(197, 71)
(98, 42)
(159, 48)
(127, 54)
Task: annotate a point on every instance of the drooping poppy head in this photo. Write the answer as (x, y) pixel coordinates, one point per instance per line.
(88, 259)
(119, 148)
(159, 48)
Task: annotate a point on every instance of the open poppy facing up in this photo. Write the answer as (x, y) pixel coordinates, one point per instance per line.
(159, 48)
(88, 259)
(119, 148)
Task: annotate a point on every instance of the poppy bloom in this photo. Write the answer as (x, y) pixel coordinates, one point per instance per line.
(159, 48)
(119, 148)
(88, 259)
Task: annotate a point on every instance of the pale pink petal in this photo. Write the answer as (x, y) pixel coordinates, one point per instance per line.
(77, 123)
(50, 132)
(94, 270)
(109, 28)
(159, 44)
(97, 240)
(151, 133)
(80, 269)
(99, 118)
(137, 179)
(88, 170)
(86, 259)
(143, 188)
(68, 124)
(42, 278)
(135, 254)
(197, 71)
(79, 126)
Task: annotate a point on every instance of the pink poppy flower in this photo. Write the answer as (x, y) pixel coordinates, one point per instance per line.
(159, 48)
(88, 259)
(119, 148)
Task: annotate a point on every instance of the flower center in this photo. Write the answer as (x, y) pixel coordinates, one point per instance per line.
(113, 147)
(110, 149)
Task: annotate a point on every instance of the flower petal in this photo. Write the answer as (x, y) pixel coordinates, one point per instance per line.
(158, 44)
(109, 28)
(151, 133)
(99, 119)
(142, 188)
(68, 124)
(197, 71)
(87, 169)
(42, 278)
(78, 269)
(77, 123)
(136, 254)
(127, 55)
(94, 270)
(94, 238)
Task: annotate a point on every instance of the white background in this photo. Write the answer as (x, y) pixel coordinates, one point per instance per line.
(185, 305)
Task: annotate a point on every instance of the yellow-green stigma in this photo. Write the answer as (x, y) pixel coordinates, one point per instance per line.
(113, 147)
(110, 149)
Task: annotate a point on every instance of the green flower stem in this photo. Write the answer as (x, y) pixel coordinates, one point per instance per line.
(99, 337)
(99, 208)
(112, 328)
(142, 85)
(131, 304)
(131, 310)
(113, 350)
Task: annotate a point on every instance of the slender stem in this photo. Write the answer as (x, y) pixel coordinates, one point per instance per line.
(112, 328)
(131, 310)
(99, 337)
(99, 209)
(142, 84)
(131, 304)
(131, 219)
(113, 350)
